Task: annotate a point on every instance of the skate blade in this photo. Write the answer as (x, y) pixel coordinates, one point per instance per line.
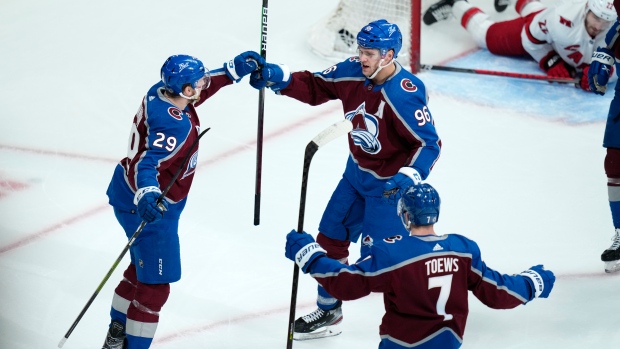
(328, 331)
(612, 267)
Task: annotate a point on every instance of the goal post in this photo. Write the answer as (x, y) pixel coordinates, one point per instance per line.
(334, 36)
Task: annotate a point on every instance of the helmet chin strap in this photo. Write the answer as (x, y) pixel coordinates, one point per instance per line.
(195, 97)
(380, 67)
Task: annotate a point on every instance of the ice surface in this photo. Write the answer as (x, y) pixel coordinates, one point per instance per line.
(521, 175)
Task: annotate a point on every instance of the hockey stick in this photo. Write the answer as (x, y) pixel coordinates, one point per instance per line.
(500, 73)
(261, 117)
(131, 241)
(326, 136)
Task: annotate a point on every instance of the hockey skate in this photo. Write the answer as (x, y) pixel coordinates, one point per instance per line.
(438, 11)
(115, 339)
(611, 256)
(501, 5)
(319, 324)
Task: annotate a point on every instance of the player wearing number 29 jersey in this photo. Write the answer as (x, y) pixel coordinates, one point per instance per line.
(164, 133)
(161, 135)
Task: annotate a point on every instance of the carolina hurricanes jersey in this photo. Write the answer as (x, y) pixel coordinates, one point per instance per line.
(425, 281)
(392, 125)
(161, 137)
(561, 29)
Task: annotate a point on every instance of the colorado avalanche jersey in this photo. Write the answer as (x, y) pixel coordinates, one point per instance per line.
(612, 128)
(161, 136)
(392, 125)
(425, 281)
(561, 29)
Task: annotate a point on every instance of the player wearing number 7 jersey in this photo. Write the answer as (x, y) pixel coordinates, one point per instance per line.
(424, 277)
(393, 143)
(163, 133)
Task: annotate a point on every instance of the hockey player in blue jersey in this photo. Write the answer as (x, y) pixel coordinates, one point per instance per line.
(601, 70)
(162, 134)
(424, 277)
(393, 144)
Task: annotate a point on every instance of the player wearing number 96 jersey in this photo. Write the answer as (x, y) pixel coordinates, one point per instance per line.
(163, 135)
(424, 277)
(393, 143)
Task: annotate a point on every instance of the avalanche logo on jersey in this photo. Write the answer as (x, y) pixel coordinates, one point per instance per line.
(365, 129)
(393, 239)
(175, 113)
(408, 86)
(191, 165)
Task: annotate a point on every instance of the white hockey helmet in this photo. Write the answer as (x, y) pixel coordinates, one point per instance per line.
(603, 9)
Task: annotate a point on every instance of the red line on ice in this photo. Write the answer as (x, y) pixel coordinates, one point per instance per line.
(225, 322)
(47, 231)
(248, 146)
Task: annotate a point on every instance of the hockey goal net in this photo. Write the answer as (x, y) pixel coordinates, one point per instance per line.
(334, 37)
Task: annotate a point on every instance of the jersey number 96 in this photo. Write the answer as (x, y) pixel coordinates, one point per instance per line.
(422, 115)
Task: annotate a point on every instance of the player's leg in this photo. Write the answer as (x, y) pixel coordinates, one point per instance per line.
(156, 259)
(123, 295)
(341, 223)
(473, 20)
(504, 38)
(143, 314)
(611, 256)
(527, 7)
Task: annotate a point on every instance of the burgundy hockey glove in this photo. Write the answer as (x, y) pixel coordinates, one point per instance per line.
(555, 67)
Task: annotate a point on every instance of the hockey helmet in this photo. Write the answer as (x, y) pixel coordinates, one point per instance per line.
(421, 202)
(381, 35)
(180, 70)
(603, 9)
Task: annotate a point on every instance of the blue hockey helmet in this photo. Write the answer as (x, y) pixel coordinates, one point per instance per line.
(381, 35)
(180, 70)
(421, 202)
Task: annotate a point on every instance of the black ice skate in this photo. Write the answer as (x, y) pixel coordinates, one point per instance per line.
(611, 256)
(438, 11)
(319, 324)
(115, 339)
(501, 5)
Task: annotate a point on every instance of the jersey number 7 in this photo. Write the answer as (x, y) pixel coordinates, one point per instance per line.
(445, 284)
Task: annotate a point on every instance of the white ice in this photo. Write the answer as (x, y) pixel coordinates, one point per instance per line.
(72, 75)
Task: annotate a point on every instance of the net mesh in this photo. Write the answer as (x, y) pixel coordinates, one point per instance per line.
(333, 37)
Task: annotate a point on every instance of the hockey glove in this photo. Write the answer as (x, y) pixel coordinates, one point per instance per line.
(302, 249)
(583, 79)
(406, 177)
(555, 67)
(600, 70)
(274, 76)
(243, 65)
(540, 280)
(148, 209)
